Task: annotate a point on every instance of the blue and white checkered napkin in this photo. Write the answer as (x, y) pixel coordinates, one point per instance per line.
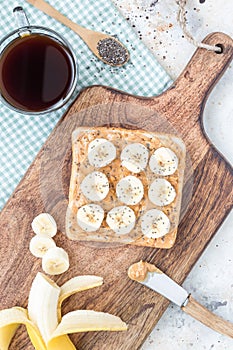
(21, 136)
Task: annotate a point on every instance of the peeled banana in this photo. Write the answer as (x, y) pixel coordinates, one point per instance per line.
(44, 326)
(42, 305)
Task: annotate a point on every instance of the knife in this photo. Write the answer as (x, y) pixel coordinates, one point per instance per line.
(150, 276)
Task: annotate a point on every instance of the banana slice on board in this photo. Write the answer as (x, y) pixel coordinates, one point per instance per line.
(161, 192)
(101, 152)
(90, 217)
(130, 190)
(40, 244)
(95, 186)
(121, 219)
(55, 261)
(155, 224)
(163, 161)
(44, 224)
(134, 157)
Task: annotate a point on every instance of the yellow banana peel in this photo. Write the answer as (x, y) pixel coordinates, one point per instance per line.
(6, 335)
(10, 320)
(62, 342)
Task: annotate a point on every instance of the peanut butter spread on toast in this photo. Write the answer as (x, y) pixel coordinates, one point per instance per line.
(115, 172)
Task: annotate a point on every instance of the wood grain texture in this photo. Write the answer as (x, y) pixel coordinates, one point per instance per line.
(200, 313)
(212, 199)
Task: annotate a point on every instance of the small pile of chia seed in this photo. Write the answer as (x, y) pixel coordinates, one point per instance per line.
(112, 52)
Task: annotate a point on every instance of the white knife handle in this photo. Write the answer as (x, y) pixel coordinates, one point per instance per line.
(200, 313)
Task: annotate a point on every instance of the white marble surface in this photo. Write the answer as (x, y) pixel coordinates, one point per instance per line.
(211, 280)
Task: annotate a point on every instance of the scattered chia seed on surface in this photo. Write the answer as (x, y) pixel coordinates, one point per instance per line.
(112, 52)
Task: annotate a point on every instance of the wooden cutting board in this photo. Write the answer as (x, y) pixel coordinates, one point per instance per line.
(45, 187)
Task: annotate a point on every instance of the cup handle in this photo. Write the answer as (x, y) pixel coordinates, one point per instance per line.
(21, 20)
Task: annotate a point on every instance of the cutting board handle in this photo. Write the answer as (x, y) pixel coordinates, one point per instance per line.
(199, 77)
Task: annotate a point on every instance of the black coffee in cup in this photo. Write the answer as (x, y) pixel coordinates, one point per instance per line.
(36, 72)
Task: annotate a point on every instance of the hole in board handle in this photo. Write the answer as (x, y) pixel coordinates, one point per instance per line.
(221, 47)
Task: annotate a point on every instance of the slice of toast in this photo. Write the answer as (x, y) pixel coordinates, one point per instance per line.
(115, 171)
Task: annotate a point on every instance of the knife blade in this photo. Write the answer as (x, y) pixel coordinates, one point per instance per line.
(165, 286)
(152, 277)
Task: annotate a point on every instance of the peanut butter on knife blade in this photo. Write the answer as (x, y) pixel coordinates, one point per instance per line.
(138, 271)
